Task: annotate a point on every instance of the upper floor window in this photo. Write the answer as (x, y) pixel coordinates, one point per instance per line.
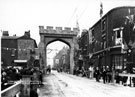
(118, 35)
(103, 25)
(13, 52)
(90, 36)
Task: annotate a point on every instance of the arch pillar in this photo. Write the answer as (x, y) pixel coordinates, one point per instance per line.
(71, 58)
(42, 52)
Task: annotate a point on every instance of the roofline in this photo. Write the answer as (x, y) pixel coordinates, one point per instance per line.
(110, 12)
(10, 37)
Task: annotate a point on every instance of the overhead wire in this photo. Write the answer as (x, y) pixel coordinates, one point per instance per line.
(83, 12)
(75, 10)
(78, 17)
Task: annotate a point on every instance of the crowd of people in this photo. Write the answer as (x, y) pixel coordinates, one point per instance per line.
(11, 74)
(107, 75)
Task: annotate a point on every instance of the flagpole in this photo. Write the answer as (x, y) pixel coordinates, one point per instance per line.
(77, 26)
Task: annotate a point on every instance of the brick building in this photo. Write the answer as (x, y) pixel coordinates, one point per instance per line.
(62, 59)
(8, 48)
(83, 42)
(16, 50)
(112, 39)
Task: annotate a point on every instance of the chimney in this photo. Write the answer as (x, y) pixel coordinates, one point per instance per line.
(5, 33)
(27, 33)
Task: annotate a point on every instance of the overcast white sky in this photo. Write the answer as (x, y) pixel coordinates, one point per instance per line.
(17, 16)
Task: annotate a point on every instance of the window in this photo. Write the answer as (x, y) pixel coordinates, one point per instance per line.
(13, 52)
(118, 35)
(104, 44)
(117, 62)
(90, 36)
(103, 24)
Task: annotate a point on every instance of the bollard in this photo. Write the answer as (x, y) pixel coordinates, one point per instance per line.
(26, 79)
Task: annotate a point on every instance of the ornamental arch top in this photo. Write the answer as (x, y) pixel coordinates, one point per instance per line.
(51, 34)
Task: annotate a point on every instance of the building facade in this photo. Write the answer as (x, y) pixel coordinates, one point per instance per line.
(8, 49)
(83, 56)
(62, 59)
(112, 39)
(17, 50)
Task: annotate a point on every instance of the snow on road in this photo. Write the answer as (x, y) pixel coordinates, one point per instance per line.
(66, 85)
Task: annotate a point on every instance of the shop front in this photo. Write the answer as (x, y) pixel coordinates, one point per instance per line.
(20, 63)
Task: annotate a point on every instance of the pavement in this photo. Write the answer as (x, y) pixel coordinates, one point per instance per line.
(51, 87)
(66, 85)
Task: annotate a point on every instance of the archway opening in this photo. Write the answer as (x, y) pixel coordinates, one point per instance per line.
(58, 55)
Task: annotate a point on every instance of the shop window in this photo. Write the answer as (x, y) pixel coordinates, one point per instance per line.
(117, 62)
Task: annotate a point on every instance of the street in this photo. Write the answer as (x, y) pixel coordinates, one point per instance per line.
(66, 85)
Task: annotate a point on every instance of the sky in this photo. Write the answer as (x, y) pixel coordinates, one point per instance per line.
(18, 16)
(52, 49)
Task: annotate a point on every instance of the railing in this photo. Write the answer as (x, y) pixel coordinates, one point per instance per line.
(12, 90)
(21, 87)
(129, 76)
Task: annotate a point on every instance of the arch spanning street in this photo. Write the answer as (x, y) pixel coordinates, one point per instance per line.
(50, 35)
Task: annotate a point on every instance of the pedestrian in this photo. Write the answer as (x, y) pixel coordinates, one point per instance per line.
(104, 76)
(77, 71)
(90, 72)
(97, 74)
(133, 80)
(83, 72)
(74, 71)
(117, 77)
(41, 77)
(109, 76)
(124, 78)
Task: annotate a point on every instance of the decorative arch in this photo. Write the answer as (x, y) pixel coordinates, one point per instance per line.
(50, 35)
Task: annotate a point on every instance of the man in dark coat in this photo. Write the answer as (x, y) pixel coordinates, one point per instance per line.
(104, 76)
(97, 74)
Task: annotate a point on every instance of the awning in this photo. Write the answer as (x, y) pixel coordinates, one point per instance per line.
(20, 61)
